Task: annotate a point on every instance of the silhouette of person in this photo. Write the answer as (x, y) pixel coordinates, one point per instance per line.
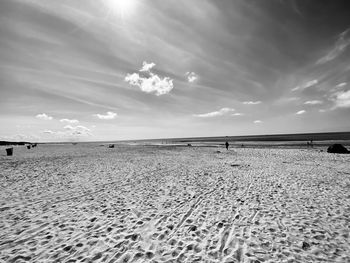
(227, 145)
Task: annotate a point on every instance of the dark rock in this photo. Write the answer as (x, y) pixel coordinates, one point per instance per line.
(67, 248)
(192, 228)
(305, 245)
(337, 148)
(9, 151)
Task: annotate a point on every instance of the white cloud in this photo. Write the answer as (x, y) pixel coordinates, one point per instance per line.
(300, 112)
(70, 132)
(69, 121)
(306, 85)
(150, 83)
(147, 66)
(237, 114)
(342, 99)
(313, 102)
(257, 121)
(252, 102)
(191, 77)
(296, 88)
(340, 85)
(20, 137)
(108, 116)
(44, 116)
(68, 127)
(341, 44)
(77, 130)
(310, 83)
(220, 112)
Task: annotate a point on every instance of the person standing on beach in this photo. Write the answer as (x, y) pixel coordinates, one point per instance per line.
(227, 145)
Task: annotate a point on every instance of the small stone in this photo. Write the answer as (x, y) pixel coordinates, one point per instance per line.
(305, 245)
(67, 248)
(193, 228)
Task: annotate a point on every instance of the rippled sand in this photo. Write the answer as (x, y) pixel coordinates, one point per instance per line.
(88, 203)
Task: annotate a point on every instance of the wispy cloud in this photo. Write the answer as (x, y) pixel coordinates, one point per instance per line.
(78, 130)
(108, 116)
(306, 85)
(20, 137)
(313, 102)
(69, 121)
(237, 114)
(300, 112)
(340, 46)
(220, 112)
(191, 77)
(69, 132)
(150, 82)
(340, 85)
(251, 102)
(44, 116)
(257, 121)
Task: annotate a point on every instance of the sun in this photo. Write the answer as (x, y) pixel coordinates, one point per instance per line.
(120, 7)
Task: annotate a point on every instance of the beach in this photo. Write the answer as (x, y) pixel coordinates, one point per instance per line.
(90, 203)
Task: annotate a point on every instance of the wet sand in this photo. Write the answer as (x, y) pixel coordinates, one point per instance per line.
(87, 203)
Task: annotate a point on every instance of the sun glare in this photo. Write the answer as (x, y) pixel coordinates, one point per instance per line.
(120, 7)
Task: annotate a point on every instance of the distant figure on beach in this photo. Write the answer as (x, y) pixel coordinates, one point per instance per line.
(310, 144)
(227, 145)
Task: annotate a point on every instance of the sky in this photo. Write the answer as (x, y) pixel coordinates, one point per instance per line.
(89, 70)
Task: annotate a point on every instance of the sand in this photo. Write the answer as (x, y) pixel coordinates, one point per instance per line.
(88, 203)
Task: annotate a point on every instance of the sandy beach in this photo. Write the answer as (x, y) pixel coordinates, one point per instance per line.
(88, 203)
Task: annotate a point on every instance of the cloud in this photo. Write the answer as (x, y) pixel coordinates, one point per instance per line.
(296, 88)
(237, 114)
(313, 102)
(310, 83)
(44, 116)
(306, 85)
(252, 102)
(340, 85)
(147, 66)
(191, 77)
(340, 46)
(70, 132)
(77, 130)
(220, 112)
(69, 121)
(20, 137)
(257, 121)
(150, 82)
(342, 99)
(300, 112)
(108, 116)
